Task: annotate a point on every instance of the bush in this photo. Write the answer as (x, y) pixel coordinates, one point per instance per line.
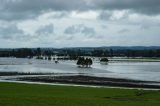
(104, 60)
(39, 57)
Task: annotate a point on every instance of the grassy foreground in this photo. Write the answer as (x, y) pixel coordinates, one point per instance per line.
(12, 94)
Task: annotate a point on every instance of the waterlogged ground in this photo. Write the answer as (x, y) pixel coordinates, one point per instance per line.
(148, 71)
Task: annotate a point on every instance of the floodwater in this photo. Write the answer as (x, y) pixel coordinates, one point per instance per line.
(148, 71)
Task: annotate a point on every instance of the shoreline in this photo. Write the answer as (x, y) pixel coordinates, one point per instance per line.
(93, 81)
(77, 85)
(78, 80)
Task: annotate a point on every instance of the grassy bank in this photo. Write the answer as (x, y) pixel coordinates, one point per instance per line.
(12, 94)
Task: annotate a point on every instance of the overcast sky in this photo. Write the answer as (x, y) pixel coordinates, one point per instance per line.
(79, 23)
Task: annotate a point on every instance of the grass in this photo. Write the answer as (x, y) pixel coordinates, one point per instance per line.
(13, 94)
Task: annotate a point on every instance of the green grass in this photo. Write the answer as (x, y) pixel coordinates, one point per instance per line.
(12, 94)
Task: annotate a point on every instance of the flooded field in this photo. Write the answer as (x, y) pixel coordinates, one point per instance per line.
(147, 71)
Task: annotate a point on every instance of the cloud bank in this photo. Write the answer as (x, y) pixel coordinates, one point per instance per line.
(59, 23)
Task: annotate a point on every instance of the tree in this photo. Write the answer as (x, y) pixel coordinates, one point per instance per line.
(39, 51)
(79, 62)
(84, 62)
(39, 57)
(90, 62)
(46, 58)
(49, 58)
(111, 52)
(97, 53)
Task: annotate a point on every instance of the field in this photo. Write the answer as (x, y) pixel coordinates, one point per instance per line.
(13, 94)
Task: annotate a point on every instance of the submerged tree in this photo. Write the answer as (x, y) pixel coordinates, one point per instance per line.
(104, 60)
(82, 62)
(49, 58)
(90, 62)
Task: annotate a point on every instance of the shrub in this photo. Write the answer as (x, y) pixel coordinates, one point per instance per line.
(104, 60)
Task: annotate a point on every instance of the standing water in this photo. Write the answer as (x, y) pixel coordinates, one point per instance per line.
(148, 71)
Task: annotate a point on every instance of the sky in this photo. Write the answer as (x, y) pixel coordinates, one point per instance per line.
(79, 23)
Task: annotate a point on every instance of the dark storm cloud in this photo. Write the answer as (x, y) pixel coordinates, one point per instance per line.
(17, 9)
(40, 5)
(79, 29)
(142, 6)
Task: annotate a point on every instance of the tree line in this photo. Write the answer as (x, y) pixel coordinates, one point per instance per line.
(75, 53)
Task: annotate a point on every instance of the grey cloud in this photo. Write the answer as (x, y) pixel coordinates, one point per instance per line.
(88, 31)
(10, 32)
(123, 31)
(104, 26)
(108, 15)
(45, 30)
(59, 15)
(141, 6)
(20, 9)
(105, 15)
(17, 9)
(40, 5)
(10, 16)
(82, 29)
(68, 37)
(145, 27)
